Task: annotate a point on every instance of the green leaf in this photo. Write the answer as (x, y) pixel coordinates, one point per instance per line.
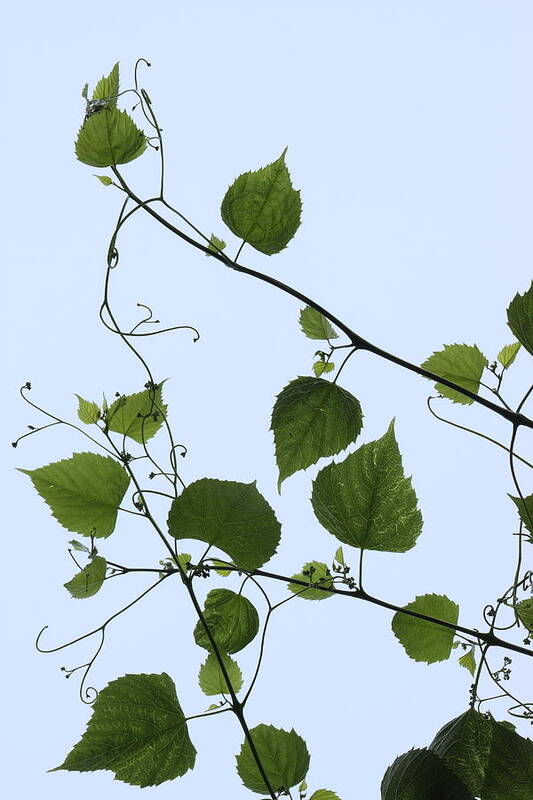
(315, 325)
(464, 745)
(324, 794)
(109, 137)
(312, 418)
(232, 619)
(107, 88)
(507, 354)
(88, 412)
(262, 208)
(366, 501)
(89, 580)
(525, 510)
(339, 556)
(524, 609)
(520, 318)
(212, 680)
(421, 775)
(83, 492)
(315, 572)
(215, 244)
(139, 415)
(79, 546)
(323, 367)
(423, 640)
(105, 179)
(232, 516)
(222, 572)
(138, 731)
(284, 757)
(468, 661)
(509, 774)
(462, 364)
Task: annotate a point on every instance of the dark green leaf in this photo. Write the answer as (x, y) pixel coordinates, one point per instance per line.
(139, 415)
(464, 746)
(138, 731)
(88, 412)
(468, 661)
(284, 757)
(509, 774)
(316, 573)
(107, 88)
(212, 680)
(89, 580)
(462, 364)
(262, 208)
(366, 500)
(507, 354)
(83, 492)
(423, 640)
(520, 318)
(421, 775)
(525, 510)
(315, 325)
(323, 367)
(525, 612)
(312, 418)
(232, 516)
(215, 244)
(232, 619)
(109, 137)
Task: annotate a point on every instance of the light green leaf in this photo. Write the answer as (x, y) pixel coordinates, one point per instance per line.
(212, 680)
(421, 775)
(109, 137)
(316, 573)
(312, 418)
(138, 731)
(423, 640)
(520, 318)
(462, 364)
(215, 244)
(105, 179)
(262, 208)
(525, 510)
(323, 367)
(232, 516)
(507, 354)
(284, 757)
(222, 572)
(139, 415)
(83, 492)
(464, 746)
(468, 661)
(302, 787)
(524, 609)
(324, 794)
(232, 619)
(88, 412)
(315, 325)
(89, 580)
(107, 88)
(366, 501)
(509, 774)
(339, 556)
(79, 546)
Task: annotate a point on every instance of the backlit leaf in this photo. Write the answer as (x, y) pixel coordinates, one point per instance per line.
(464, 745)
(324, 794)
(423, 640)
(232, 516)
(284, 757)
(315, 325)
(105, 179)
(312, 418)
(212, 680)
(139, 415)
(107, 87)
(462, 364)
(525, 612)
(83, 492)
(89, 580)
(262, 208)
(520, 318)
(215, 244)
(366, 501)
(323, 367)
(509, 774)
(315, 572)
(507, 354)
(138, 731)
(421, 775)
(468, 661)
(525, 510)
(109, 137)
(79, 546)
(232, 619)
(88, 412)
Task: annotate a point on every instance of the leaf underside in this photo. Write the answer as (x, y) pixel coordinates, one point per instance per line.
(284, 757)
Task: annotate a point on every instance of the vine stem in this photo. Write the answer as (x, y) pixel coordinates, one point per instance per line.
(515, 417)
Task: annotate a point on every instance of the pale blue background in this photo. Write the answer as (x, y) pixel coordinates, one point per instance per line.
(410, 132)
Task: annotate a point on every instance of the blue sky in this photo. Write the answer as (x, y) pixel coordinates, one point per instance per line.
(409, 130)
